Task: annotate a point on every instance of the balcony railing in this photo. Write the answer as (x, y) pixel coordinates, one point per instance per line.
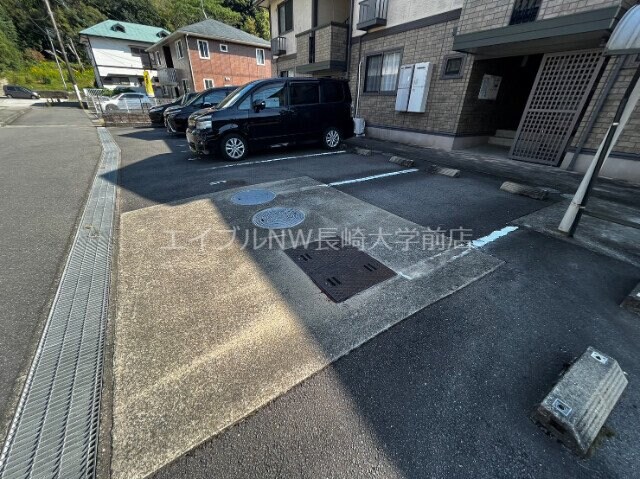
(168, 76)
(373, 13)
(525, 11)
(279, 46)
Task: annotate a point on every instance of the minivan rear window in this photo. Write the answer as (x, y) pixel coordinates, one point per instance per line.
(304, 93)
(332, 91)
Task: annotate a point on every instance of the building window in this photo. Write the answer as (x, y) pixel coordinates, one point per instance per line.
(285, 17)
(260, 56)
(524, 11)
(224, 48)
(453, 66)
(145, 58)
(158, 59)
(208, 83)
(179, 50)
(203, 48)
(185, 86)
(382, 72)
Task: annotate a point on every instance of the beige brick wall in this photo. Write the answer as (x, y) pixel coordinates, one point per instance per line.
(629, 141)
(478, 15)
(428, 44)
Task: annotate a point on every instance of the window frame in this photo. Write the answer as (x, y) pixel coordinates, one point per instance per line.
(264, 57)
(445, 60)
(205, 80)
(224, 48)
(179, 49)
(185, 86)
(284, 5)
(203, 42)
(366, 70)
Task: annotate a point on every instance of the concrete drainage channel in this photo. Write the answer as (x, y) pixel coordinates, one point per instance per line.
(54, 431)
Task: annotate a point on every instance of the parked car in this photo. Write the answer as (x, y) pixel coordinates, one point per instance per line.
(13, 91)
(127, 101)
(270, 112)
(156, 113)
(177, 117)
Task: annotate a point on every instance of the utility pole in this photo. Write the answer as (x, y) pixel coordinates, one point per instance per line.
(55, 56)
(72, 47)
(64, 52)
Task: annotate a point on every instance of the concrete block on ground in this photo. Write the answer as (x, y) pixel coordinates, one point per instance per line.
(364, 151)
(632, 302)
(399, 160)
(579, 404)
(441, 170)
(524, 190)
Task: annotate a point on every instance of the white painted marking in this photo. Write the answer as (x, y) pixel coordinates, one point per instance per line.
(373, 177)
(638, 295)
(485, 240)
(272, 160)
(192, 159)
(217, 182)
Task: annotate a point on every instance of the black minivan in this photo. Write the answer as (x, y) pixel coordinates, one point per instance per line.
(272, 112)
(176, 117)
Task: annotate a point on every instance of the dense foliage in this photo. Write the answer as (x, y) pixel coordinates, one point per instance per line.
(24, 23)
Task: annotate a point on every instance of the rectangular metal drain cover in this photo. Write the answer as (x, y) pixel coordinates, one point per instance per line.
(340, 271)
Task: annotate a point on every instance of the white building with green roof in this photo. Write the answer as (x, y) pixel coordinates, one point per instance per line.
(117, 51)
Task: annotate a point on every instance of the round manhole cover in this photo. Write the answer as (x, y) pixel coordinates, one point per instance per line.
(278, 217)
(252, 197)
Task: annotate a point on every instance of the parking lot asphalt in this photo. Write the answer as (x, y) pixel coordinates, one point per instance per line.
(448, 391)
(44, 179)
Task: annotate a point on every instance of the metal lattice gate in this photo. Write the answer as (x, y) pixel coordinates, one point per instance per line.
(555, 103)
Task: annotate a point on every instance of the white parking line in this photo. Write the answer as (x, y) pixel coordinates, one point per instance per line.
(485, 240)
(373, 177)
(272, 160)
(218, 182)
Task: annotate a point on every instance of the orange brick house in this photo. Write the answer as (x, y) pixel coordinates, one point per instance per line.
(209, 54)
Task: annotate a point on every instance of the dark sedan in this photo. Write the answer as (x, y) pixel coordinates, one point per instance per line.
(177, 117)
(156, 113)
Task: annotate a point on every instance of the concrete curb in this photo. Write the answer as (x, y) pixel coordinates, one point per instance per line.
(632, 301)
(14, 117)
(441, 170)
(398, 160)
(524, 190)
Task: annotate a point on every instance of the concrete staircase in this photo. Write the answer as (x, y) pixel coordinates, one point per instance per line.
(503, 138)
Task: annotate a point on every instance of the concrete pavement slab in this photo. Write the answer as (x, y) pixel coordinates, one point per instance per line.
(618, 241)
(206, 335)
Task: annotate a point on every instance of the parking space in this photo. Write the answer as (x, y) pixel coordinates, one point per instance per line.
(159, 168)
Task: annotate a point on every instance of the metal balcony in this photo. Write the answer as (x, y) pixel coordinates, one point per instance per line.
(168, 76)
(279, 46)
(525, 11)
(373, 13)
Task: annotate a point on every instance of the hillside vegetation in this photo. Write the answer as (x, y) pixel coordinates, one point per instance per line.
(23, 24)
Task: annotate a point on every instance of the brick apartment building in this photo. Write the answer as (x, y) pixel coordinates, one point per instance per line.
(209, 54)
(523, 79)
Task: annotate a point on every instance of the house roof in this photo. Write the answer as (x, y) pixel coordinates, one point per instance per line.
(218, 31)
(132, 31)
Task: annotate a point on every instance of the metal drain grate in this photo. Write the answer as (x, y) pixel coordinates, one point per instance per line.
(340, 271)
(278, 217)
(252, 197)
(54, 431)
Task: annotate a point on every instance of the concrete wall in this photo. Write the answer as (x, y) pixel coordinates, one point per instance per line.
(301, 21)
(403, 11)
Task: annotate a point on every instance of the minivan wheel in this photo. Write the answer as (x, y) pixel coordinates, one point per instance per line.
(331, 138)
(234, 147)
